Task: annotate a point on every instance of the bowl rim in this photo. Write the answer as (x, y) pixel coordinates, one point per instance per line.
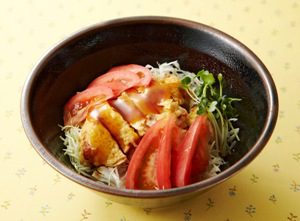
(261, 141)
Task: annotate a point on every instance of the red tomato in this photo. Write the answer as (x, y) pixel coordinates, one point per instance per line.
(117, 80)
(124, 77)
(143, 73)
(191, 158)
(107, 86)
(171, 136)
(77, 118)
(141, 172)
(80, 102)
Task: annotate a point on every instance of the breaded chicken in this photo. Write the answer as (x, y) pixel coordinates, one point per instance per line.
(125, 106)
(130, 112)
(117, 126)
(97, 145)
(141, 107)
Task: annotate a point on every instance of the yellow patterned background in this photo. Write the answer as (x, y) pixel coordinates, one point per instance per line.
(268, 189)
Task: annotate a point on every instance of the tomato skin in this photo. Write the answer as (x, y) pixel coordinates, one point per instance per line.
(118, 81)
(143, 73)
(191, 158)
(124, 77)
(80, 102)
(137, 176)
(201, 158)
(117, 87)
(77, 118)
(170, 138)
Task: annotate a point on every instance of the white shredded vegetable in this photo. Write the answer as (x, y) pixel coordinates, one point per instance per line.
(110, 176)
(72, 144)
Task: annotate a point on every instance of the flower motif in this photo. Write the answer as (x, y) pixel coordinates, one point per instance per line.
(187, 215)
(276, 167)
(273, 198)
(85, 215)
(296, 156)
(5, 204)
(292, 217)
(295, 186)
(45, 210)
(232, 191)
(147, 210)
(254, 178)
(210, 203)
(250, 210)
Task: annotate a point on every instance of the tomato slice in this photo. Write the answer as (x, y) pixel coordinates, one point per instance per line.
(143, 73)
(117, 80)
(170, 139)
(123, 77)
(191, 158)
(141, 172)
(106, 86)
(80, 102)
(77, 118)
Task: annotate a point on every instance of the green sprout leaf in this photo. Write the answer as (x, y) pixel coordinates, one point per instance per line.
(186, 81)
(208, 78)
(220, 78)
(199, 90)
(210, 100)
(201, 109)
(212, 106)
(227, 108)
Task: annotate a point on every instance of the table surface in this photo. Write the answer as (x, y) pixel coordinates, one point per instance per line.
(268, 189)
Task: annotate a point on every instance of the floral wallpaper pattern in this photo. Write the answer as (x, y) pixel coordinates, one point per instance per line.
(267, 189)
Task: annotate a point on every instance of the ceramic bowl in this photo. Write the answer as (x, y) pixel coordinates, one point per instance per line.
(77, 60)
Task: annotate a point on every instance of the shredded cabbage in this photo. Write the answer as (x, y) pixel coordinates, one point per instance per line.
(112, 176)
(72, 144)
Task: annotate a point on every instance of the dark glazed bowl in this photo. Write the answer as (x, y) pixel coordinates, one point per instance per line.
(76, 61)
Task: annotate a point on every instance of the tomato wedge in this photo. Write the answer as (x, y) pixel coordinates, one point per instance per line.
(141, 172)
(170, 139)
(80, 102)
(191, 158)
(143, 73)
(150, 165)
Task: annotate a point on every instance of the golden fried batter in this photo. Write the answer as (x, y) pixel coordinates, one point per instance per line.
(97, 145)
(117, 126)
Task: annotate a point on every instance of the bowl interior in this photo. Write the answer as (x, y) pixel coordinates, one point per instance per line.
(77, 61)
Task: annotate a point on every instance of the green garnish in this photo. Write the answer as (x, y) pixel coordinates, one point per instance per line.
(208, 78)
(186, 80)
(209, 99)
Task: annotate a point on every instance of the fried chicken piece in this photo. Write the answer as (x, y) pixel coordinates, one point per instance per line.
(116, 125)
(98, 146)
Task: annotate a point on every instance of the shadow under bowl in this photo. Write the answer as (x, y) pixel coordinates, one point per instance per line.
(76, 61)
